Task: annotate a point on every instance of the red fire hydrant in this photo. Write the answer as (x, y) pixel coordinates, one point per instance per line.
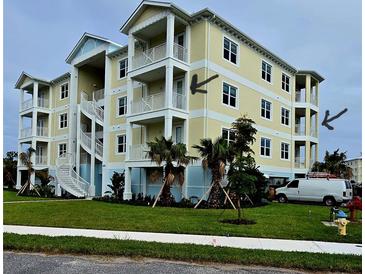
(352, 206)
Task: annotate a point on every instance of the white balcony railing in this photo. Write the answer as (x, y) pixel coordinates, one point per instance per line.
(41, 160)
(314, 132)
(99, 147)
(138, 152)
(27, 104)
(300, 96)
(26, 132)
(179, 100)
(299, 162)
(314, 100)
(149, 103)
(98, 95)
(299, 129)
(43, 103)
(42, 131)
(85, 139)
(157, 53)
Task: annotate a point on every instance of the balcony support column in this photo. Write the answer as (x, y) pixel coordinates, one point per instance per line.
(34, 122)
(188, 42)
(170, 35)
(18, 179)
(143, 181)
(128, 144)
(131, 44)
(71, 116)
(78, 150)
(169, 85)
(127, 194)
(307, 154)
(35, 94)
(168, 126)
(92, 167)
(21, 99)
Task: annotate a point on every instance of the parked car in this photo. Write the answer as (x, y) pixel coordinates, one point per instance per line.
(328, 191)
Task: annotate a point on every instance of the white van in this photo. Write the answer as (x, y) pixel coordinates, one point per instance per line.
(328, 191)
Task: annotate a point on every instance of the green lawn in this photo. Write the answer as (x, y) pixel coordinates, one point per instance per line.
(286, 221)
(184, 252)
(10, 196)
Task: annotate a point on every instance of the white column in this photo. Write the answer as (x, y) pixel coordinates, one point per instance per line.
(20, 125)
(143, 181)
(34, 145)
(92, 167)
(35, 94)
(188, 41)
(48, 153)
(131, 44)
(168, 126)
(169, 85)
(21, 99)
(34, 123)
(73, 93)
(170, 35)
(128, 140)
(127, 194)
(32, 179)
(78, 150)
(18, 179)
(185, 186)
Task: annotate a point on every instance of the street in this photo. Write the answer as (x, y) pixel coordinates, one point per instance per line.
(41, 263)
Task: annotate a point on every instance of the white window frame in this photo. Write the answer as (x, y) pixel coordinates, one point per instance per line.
(271, 146)
(68, 90)
(237, 95)
(281, 117)
(284, 159)
(117, 106)
(117, 144)
(59, 120)
(229, 131)
(271, 109)
(238, 51)
(59, 150)
(126, 68)
(271, 74)
(286, 75)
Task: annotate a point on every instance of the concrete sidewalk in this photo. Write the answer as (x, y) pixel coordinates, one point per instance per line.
(236, 242)
(45, 201)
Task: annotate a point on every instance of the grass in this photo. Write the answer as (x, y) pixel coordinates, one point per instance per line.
(285, 221)
(183, 252)
(10, 196)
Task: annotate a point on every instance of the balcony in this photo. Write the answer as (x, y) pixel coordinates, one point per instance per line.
(157, 101)
(98, 95)
(42, 131)
(314, 132)
(299, 162)
(158, 53)
(314, 100)
(26, 132)
(28, 104)
(138, 152)
(41, 160)
(299, 130)
(43, 103)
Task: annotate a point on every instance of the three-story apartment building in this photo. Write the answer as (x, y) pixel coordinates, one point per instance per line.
(97, 118)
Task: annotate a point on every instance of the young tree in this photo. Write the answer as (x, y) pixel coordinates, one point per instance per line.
(215, 157)
(244, 132)
(117, 186)
(165, 151)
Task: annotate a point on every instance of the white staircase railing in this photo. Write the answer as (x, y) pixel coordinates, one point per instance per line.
(85, 140)
(92, 108)
(68, 178)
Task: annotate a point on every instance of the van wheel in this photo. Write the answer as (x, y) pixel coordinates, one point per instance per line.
(329, 201)
(282, 198)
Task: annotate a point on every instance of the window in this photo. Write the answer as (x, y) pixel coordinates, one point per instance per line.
(265, 148)
(64, 91)
(178, 133)
(121, 145)
(122, 105)
(293, 184)
(285, 151)
(230, 51)
(285, 116)
(265, 109)
(266, 71)
(123, 68)
(62, 150)
(228, 135)
(229, 95)
(285, 80)
(63, 120)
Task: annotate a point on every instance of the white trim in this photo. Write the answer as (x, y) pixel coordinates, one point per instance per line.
(281, 142)
(290, 82)
(271, 74)
(58, 148)
(271, 147)
(288, 125)
(68, 89)
(225, 128)
(117, 144)
(271, 109)
(59, 120)
(117, 106)
(237, 95)
(126, 68)
(225, 36)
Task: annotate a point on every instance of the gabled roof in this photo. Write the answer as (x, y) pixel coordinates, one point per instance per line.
(61, 78)
(25, 75)
(81, 42)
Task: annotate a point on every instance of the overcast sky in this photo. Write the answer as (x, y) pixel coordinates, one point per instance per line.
(322, 35)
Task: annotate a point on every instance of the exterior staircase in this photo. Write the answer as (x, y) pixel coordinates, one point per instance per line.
(68, 179)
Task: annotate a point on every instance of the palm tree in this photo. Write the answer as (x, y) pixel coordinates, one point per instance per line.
(334, 164)
(215, 157)
(26, 159)
(165, 151)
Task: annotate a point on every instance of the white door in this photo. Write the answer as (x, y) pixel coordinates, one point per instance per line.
(179, 94)
(40, 127)
(178, 135)
(292, 190)
(39, 155)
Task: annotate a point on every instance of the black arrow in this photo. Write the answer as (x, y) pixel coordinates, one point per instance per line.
(195, 85)
(326, 120)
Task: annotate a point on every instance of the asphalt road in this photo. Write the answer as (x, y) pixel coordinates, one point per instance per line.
(41, 263)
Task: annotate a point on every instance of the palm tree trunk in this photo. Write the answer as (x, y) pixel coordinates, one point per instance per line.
(214, 200)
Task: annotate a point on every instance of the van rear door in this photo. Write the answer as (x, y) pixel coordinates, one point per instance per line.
(292, 190)
(349, 191)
